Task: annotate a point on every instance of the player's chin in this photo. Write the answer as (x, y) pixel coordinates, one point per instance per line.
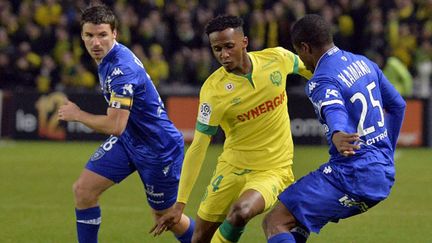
(228, 67)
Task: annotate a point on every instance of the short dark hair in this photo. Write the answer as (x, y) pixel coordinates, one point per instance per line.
(99, 14)
(311, 29)
(223, 22)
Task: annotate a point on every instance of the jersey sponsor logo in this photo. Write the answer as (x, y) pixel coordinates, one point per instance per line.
(116, 71)
(377, 138)
(229, 87)
(151, 193)
(127, 89)
(276, 78)
(262, 108)
(204, 113)
(347, 201)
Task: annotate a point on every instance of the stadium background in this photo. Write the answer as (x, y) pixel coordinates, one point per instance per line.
(43, 60)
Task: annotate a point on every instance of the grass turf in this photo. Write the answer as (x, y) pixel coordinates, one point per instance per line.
(37, 203)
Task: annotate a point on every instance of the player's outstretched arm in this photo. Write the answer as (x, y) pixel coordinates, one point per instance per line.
(170, 218)
(113, 123)
(191, 167)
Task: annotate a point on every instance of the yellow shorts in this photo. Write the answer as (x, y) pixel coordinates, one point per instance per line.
(229, 182)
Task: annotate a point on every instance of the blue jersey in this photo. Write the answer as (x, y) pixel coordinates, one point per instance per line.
(125, 84)
(350, 94)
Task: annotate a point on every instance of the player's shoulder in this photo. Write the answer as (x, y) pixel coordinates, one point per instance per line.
(273, 52)
(215, 78)
(125, 62)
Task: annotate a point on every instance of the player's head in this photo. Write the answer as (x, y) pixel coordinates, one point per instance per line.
(310, 36)
(98, 30)
(228, 41)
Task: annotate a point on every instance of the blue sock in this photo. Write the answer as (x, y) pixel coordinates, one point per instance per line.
(285, 237)
(88, 222)
(300, 234)
(186, 237)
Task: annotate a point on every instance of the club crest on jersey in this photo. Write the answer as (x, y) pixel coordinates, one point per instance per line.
(127, 89)
(229, 87)
(116, 72)
(276, 78)
(204, 113)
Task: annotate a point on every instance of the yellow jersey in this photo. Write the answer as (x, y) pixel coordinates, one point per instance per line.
(252, 110)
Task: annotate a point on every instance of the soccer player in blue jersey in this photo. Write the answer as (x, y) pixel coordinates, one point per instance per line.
(362, 115)
(142, 137)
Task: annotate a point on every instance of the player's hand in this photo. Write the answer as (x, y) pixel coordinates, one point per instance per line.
(69, 111)
(171, 217)
(346, 143)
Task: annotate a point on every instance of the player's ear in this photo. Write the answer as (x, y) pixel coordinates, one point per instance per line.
(115, 34)
(305, 47)
(245, 42)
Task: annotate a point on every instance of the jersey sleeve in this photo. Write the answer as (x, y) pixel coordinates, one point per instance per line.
(328, 104)
(192, 165)
(210, 111)
(289, 58)
(123, 83)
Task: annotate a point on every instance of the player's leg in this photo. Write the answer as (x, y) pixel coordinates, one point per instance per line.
(106, 167)
(87, 190)
(258, 194)
(249, 204)
(204, 230)
(313, 201)
(160, 179)
(281, 226)
(224, 189)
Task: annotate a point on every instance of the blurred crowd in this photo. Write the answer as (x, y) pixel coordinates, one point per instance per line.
(40, 45)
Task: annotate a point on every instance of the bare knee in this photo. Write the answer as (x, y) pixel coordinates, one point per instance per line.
(241, 212)
(84, 197)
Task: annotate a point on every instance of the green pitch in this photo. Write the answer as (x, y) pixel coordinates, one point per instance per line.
(36, 203)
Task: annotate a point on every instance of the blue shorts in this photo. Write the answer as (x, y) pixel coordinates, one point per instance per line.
(321, 196)
(116, 161)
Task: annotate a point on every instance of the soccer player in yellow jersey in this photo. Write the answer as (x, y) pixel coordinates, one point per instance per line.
(247, 98)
